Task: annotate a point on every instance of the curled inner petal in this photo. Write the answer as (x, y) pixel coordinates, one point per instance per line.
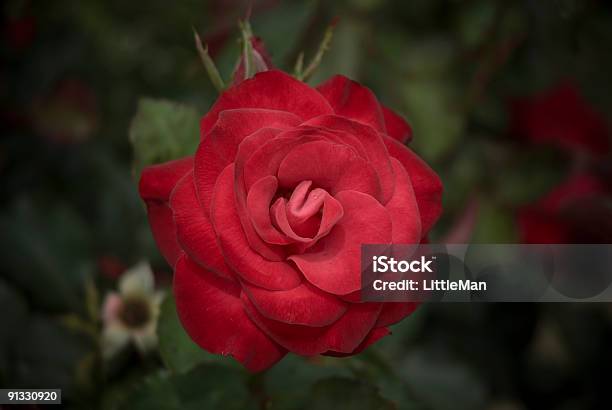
(336, 168)
(333, 265)
(306, 216)
(303, 204)
(258, 204)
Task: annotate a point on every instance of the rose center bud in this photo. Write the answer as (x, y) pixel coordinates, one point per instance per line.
(305, 206)
(135, 312)
(307, 215)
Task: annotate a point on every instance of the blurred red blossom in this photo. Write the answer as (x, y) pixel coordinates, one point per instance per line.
(577, 211)
(19, 32)
(110, 266)
(561, 116)
(68, 114)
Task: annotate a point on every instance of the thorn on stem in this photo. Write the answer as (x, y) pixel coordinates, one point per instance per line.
(298, 70)
(323, 47)
(209, 64)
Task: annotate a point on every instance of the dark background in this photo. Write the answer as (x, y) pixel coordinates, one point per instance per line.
(462, 72)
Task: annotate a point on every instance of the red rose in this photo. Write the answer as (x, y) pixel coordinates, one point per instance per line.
(563, 117)
(574, 212)
(264, 224)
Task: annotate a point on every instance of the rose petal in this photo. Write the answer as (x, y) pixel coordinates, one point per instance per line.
(425, 182)
(272, 90)
(303, 305)
(351, 99)
(303, 233)
(334, 264)
(239, 255)
(329, 166)
(393, 312)
(279, 213)
(366, 140)
(403, 208)
(258, 204)
(156, 184)
(164, 230)
(261, 161)
(267, 250)
(397, 126)
(158, 181)
(194, 230)
(343, 336)
(210, 309)
(233, 126)
(374, 336)
(220, 146)
(291, 218)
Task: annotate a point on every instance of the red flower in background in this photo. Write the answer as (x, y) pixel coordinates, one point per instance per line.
(68, 114)
(561, 116)
(19, 32)
(264, 224)
(573, 212)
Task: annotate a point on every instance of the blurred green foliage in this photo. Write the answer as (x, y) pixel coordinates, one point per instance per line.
(162, 131)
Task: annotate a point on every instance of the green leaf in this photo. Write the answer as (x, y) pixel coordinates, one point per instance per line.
(179, 353)
(442, 383)
(288, 382)
(339, 393)
(156, 392)
(372, 366)
(210, 386)
(162, 131)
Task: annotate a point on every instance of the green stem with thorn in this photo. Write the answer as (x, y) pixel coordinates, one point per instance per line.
(209, 64)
